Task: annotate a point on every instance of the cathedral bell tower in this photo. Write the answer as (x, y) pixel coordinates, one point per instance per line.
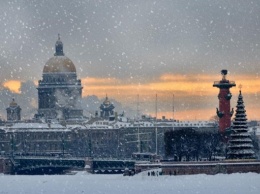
(224, 113)
(107, 109)
(13, 112)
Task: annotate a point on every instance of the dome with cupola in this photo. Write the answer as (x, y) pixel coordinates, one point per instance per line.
(59, 91)
(59, 63)
(107, 108)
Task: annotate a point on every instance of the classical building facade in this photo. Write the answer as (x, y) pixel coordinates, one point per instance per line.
(35, 139)
(43, 139)
(59, 91)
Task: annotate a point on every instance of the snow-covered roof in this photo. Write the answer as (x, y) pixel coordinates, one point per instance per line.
(255, 129)
(36, 126)
(76, 127)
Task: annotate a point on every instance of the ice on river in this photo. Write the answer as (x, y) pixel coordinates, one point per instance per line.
(142, 183)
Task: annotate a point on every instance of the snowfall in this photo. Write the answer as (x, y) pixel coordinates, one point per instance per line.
(83, 182)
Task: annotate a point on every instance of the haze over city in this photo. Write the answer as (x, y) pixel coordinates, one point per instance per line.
(123, 49)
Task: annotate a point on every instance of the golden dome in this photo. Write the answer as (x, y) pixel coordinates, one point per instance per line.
(106, 102)
(59, 64)
(13, 103)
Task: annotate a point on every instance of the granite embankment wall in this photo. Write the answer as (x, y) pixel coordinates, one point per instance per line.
(182, 168)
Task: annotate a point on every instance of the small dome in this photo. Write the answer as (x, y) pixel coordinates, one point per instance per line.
(59, 64)
(107, 102)
(13, 103)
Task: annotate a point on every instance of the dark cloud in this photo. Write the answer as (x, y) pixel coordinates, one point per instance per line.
(131, 38)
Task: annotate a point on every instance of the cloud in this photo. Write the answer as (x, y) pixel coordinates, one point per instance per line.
(26, 98)
(194, 96)
(131, 39)
(99, 81)
(13, 85)
(192, 93)
(125, 48)
(91, 104)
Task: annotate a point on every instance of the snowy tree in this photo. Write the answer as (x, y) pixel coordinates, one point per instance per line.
(193, 144)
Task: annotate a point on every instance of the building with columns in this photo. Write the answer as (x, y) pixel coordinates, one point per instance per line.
(59, 91)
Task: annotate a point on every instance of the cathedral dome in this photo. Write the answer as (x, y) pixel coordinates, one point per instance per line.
(59, 63)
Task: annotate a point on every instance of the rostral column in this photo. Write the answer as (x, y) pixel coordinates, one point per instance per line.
(224, 113)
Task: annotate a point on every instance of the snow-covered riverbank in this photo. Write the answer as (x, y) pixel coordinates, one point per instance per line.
(88, 183)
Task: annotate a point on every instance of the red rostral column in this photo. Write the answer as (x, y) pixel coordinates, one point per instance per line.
(224, 113)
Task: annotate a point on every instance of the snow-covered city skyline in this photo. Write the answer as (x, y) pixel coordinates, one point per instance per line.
(123, 49)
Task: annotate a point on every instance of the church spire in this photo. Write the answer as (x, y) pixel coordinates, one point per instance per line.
(59, 47)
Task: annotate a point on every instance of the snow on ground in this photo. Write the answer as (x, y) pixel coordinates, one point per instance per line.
(248, 183)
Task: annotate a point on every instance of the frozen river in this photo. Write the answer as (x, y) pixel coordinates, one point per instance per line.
(87, 183)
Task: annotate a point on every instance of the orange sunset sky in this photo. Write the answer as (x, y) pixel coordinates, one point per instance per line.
(194, 97)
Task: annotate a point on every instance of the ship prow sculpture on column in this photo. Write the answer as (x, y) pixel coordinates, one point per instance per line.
(224, 112)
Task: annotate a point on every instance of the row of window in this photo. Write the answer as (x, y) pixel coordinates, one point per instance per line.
(33, 146)
(33, 136)
(58, 79)
(189, 124)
